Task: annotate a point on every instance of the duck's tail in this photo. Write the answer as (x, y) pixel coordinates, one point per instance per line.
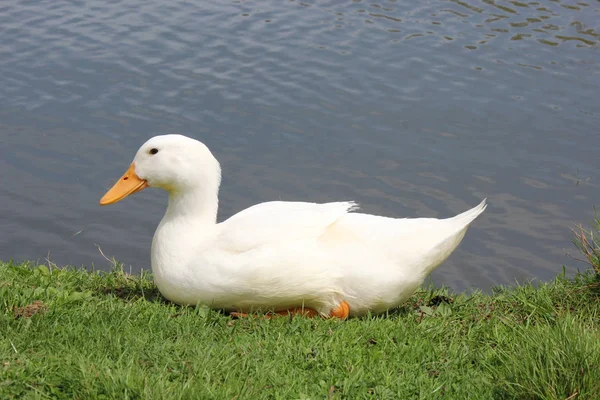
(455, 229)
(464, 219)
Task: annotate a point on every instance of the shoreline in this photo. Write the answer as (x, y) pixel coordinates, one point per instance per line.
(79, 333)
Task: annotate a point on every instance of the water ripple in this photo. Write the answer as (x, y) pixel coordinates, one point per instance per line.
(411, 108)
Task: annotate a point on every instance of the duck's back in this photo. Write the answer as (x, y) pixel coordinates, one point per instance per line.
(387, 259)
(421, 243)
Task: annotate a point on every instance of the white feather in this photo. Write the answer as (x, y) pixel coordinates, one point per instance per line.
(281, 255)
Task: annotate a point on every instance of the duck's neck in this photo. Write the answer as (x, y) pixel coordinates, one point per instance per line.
(196, 205)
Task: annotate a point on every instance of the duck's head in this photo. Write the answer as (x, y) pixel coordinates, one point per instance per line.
(174, 163)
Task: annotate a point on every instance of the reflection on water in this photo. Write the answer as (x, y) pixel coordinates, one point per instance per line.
(410, 108)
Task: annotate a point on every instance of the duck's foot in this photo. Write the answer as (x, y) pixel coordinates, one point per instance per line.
(301, 311)
(238, 315)
(341, 312)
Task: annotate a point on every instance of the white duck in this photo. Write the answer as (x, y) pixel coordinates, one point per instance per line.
(278, 256)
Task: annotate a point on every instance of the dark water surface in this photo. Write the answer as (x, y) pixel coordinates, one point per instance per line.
(411, 108)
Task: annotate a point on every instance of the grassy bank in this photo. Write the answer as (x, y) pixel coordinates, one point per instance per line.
(76, 334)
(70, 333)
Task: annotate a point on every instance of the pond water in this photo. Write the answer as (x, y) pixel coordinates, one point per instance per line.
(410, 108)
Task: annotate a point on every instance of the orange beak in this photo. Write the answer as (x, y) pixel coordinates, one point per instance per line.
(128, 184)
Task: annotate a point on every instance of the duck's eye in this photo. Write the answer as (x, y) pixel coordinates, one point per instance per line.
(153, 151)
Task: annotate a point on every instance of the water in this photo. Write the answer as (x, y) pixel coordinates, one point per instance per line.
(410, 108)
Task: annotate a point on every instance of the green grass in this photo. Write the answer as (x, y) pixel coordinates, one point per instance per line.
(588, 243)
(67, 333)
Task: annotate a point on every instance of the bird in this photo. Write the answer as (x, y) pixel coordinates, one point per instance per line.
(315, 259)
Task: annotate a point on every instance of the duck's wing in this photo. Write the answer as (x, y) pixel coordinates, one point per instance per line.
(279, 221)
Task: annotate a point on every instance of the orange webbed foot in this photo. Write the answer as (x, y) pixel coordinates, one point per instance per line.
(300, 311)
(238, 315)
(341, 311)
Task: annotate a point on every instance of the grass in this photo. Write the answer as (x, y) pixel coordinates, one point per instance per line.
(67, 333)
(588, 243)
